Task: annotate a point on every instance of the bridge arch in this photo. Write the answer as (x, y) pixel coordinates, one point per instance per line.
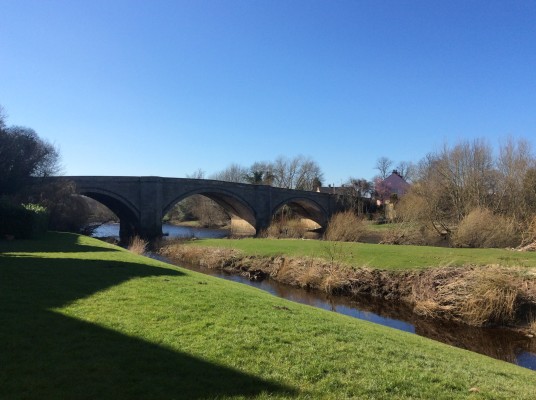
(305, 208)
(237, 207)
(129, 223)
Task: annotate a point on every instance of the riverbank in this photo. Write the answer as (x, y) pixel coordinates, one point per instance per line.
(83, 319)
(478, 287)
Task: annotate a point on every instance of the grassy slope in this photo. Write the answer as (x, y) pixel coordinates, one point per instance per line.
(376, 255)
(81, 319)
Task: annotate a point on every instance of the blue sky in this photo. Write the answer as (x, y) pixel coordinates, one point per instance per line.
(167, 87)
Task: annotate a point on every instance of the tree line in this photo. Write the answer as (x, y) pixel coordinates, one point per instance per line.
(472, 196)
(299, 172)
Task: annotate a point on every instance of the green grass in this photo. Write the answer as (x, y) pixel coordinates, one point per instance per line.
(376, 255)
(80, 319)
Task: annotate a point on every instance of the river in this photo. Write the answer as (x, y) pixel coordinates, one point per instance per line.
(172, 231)
(500, 343)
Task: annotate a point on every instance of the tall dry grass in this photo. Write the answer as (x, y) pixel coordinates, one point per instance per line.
(176, 249)
(345, 227)
(483, 228)
(293, 228)
(137, 245)
(531, 326)
(492, 297)
(477, 296)
(528, 242)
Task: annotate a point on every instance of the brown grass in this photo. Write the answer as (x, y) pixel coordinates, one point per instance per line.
(482, 228)
(137, 245)
(409, 233)
(345, 227)
(286, 229)
(492, 297)
(476, 296)
(206, 257)
(531, 327)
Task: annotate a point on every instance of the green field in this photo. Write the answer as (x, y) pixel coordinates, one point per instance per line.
(81, 319)
(376, 255)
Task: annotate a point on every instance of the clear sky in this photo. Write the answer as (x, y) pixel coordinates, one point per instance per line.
(167, 87)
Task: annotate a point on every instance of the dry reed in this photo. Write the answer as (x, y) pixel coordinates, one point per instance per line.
(286, 229)
(492, 297)
(137, 245)
(345, 227)
(476, 296)
(482, 228)
(532, 323)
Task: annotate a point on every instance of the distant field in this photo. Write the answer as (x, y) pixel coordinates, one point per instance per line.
(81, 319)
(376, 255)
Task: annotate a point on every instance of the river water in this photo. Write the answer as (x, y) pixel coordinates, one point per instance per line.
(172, 231)
(503, 344)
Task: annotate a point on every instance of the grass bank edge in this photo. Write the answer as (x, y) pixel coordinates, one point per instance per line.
(471, 288)
(380, 256)
(314, 352)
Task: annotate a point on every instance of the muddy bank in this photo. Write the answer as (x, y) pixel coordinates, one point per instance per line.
(477, 296)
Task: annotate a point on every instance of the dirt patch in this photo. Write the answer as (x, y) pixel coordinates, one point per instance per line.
(474, 295)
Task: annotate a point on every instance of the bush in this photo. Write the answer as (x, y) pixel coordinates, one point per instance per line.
(492, 297)
(409, 234)
(286, 229)
(529, 233)
(482, 228)
(345, 227)
(137, 245)
(22, 221)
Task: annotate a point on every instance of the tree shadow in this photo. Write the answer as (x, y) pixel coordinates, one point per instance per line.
(52, 242)
(48, 355)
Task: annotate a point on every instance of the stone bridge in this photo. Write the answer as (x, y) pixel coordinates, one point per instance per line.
(141, 202)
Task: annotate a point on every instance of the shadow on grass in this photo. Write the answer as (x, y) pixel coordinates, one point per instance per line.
(45, 355)
(51, 242)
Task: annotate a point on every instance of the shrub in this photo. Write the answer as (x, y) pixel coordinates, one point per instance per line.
(286, 228)
(409, 233)
(137, 245)
(345, 227)
(482, 228)
(491, 298)
(529, 233)
(532, 324)
(39, 218)
(22, 221)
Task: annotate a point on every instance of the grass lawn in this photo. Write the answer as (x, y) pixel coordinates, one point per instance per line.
(81, 319)
(376, 255)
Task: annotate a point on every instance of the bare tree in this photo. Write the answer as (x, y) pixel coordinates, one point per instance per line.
(297, 173)
(455, 181)
(197, 174)
(233, 173)
(514, 164)
(356, 193)
(383, 165)
(2, 118)
(260, 173)
(406, 170)
(465, 180)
